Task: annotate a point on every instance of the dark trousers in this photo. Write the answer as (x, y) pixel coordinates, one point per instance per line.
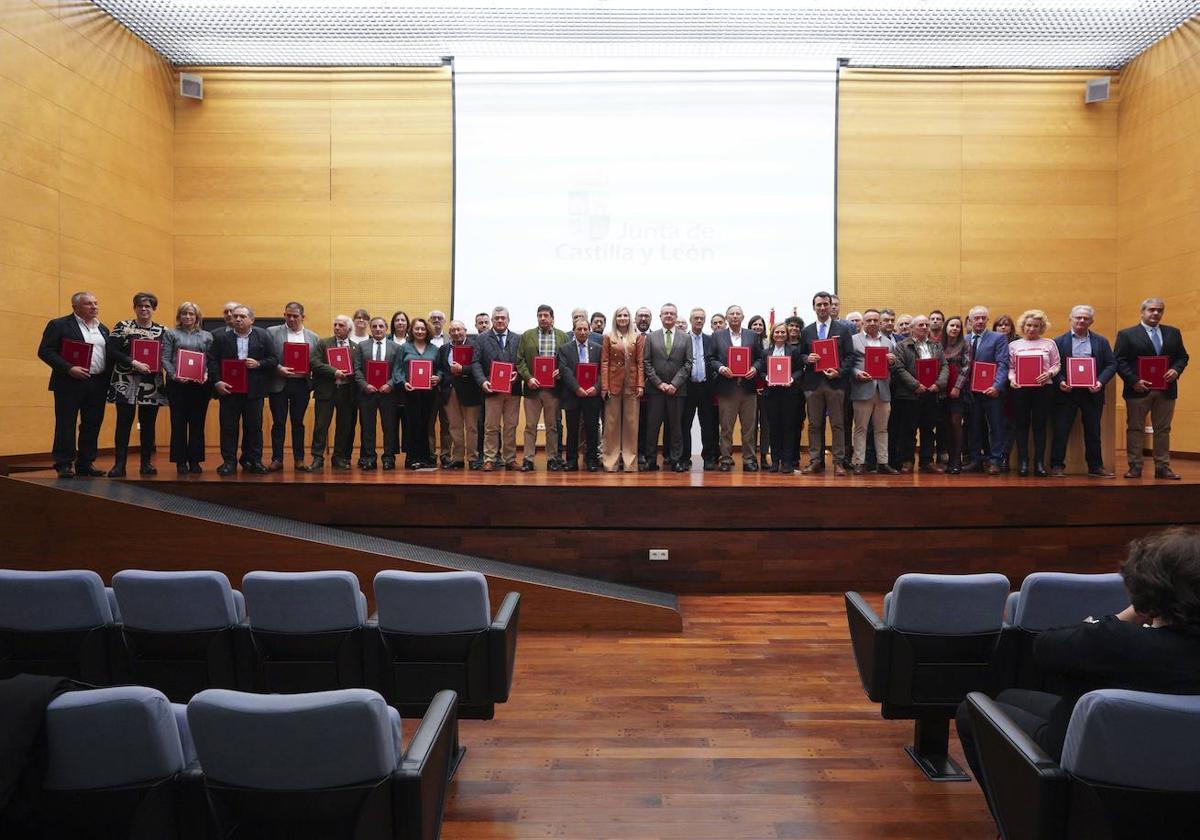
(248, 412)
(383, 407)
(289, 404)
(663, 408)
(950, 429)
(643, 424)
(911, 417)
(896, 436)
(479, 437)
(1032, 409)
(987, 418)
(781, 406)
(586, 414)
(81, 406)
(189, 409)
(419, 411)
(146, 416)
(699, 401)
(344, 406)
(1090, 408)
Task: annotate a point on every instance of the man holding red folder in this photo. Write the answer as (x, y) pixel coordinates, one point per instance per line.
(460, 393)
(737, 396)
(1140, 349)
(291, 386)
(825, 385)
(79, 389)
(250, 346)
(335, 393)
(502, 407)
(536, 352)
(987, 409)
(917, 389)
(871, 392)
(579, 366)
(1085, 351)
(377, 404)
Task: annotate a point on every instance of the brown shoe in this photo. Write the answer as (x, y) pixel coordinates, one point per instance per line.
(838, 469)
(858, 469)
(931, 469)
(1166, 472)
(813, 468)
(1133, 472)
(888, 469)
(993, 469)
(275, 466)
(512, 467)
(1058, 472)
(906, 467)
(488, 466)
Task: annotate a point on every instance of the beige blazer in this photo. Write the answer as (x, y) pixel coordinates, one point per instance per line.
(621, 365)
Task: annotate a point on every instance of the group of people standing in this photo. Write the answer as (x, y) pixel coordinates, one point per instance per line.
(925, 392)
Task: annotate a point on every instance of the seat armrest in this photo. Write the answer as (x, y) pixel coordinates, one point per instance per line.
(1027, 789)
(871, 641)
(502, 647)
(421, 779)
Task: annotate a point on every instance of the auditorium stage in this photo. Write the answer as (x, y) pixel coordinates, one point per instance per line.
(724, 532)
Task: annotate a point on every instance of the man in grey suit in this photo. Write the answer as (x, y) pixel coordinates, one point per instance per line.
(668, 362)
(335, 394)
(375, 402)
(872, 398)
(737, 398)
(289, 390)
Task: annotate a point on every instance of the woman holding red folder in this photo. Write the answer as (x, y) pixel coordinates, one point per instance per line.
(187, 397)
(1033, 363)
(781, 402)
(951, 425)
(418, 398)
(135, 384)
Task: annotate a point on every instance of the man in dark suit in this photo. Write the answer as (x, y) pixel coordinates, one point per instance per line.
(987, 407)
(501, 411)
(698, 400)
(668, 362)
(1087, 402)
(227, 314)
(460, 394)
(79, 391)
(251, 343)
(375, 402)
(1150, 338)
(826, 390)
(289, 391)
(336, 393)
(581, 404)
(737, 399)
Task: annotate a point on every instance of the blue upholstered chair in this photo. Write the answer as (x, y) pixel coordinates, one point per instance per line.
(180, 630)
(1048, 600)
(323, 765)
(1128, 769)
(306, 630)
(935, 644)
(56, 623)
(115, 760)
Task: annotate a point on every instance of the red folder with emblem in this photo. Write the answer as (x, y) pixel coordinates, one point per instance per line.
(464, 354)
(1029, 368)
(501, 377)
(77, 353)
(148, 351)
(420, 374)
(875, 362)
(339, 358)
(236, 375)
(983, 376)
(295, 356)
(543, 370)
(1153, 369)
(378, 373)
(587, 374)
(1081, 372)
(189, 366)
(738, 361)
(827, 349)
(779, 370)
(927, 372)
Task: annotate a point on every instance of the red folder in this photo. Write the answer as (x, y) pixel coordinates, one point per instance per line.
(378, 373)
(420, 374)
(1081, 372)
(953, 374)
(983, 376)
(543, 370)
(77, 353)
(587, 374)
(501, 377)
(1029, 368)
(738, 361)
(464, 354)
(875, 362)
(1153, 369)
(189, 366)
(827, 349)
(295, 356)
(148, 352)
(236, 375)
(339, 358)
(927, 372)
(779, 370)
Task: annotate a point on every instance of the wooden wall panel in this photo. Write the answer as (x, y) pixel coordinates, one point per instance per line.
(1158, 237)
(86, 121)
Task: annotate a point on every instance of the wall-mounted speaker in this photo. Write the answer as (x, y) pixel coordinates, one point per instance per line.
(1096, 90)
(191, 86)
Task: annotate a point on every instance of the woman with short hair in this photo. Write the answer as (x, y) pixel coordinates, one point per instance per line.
(134, 389)
(188, 399)
(1032, 403)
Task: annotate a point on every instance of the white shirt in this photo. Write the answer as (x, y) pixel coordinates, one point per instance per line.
(93, 336)
(377, 349)
(359, 339)
(243, 345)
(438, 340)
(922, 349)
(779, 351)
(877, 341)
(296, 337)
(735, 338)
(698, 371)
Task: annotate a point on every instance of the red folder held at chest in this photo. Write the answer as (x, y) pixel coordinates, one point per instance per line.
(464, 354)
(236, 375)
(875, 362)
(779, 370)
(189, 366)
(501, 377)
(953, 375)
(339, 358)
(420, 374)
(1081, 372)
(827, 349)
(927, 372)
(1153, 369)
(983, 376)
(1029, 368)
(587, 374)
(378, 373)
(738, 361)
(295, 356)
(543, 370)
(77, 353)
(147, 351)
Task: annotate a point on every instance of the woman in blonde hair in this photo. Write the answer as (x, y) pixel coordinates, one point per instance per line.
(188, 398)
(1032, 402)
(622, 383)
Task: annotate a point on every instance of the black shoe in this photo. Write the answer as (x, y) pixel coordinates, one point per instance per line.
(88, 470)
(1100, 472)
(195, 469)
(570, 466)
(389, 462)
(316, 464)
(593, 467)
(118, 471)
(648, 466)
(475, 465)
(227, 468)
(553, 465)
(682, 466)
(1039, 469)
(1023, 469)
(724, 467)
(641, 461)
(370, 465)
(774, 468)
(257, 468)
(340, 463)
(148, 469)
(412, 465)
(455, 465)
(445, 462)
(887, 469)
(182, 468)
(64, 471)
(953, 469)
(709, 466)
(527, 466)
(974, 467)
(750, 466)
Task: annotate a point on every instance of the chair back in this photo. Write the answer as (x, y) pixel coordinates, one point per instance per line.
(432, 602)
(57, 623)
(947, 605)
(1057, 599)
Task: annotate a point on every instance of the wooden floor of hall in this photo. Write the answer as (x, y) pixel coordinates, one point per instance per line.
(750, 724)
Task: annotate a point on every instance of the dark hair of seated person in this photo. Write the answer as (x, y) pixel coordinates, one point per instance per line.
(1162, 574)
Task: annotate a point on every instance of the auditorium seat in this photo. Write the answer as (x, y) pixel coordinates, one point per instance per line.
(1048, 600)
(180, 631)
(1128, 769)
(57, 623)
(323, 765)
(306, 630)
(115, 767)
(935, 644)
